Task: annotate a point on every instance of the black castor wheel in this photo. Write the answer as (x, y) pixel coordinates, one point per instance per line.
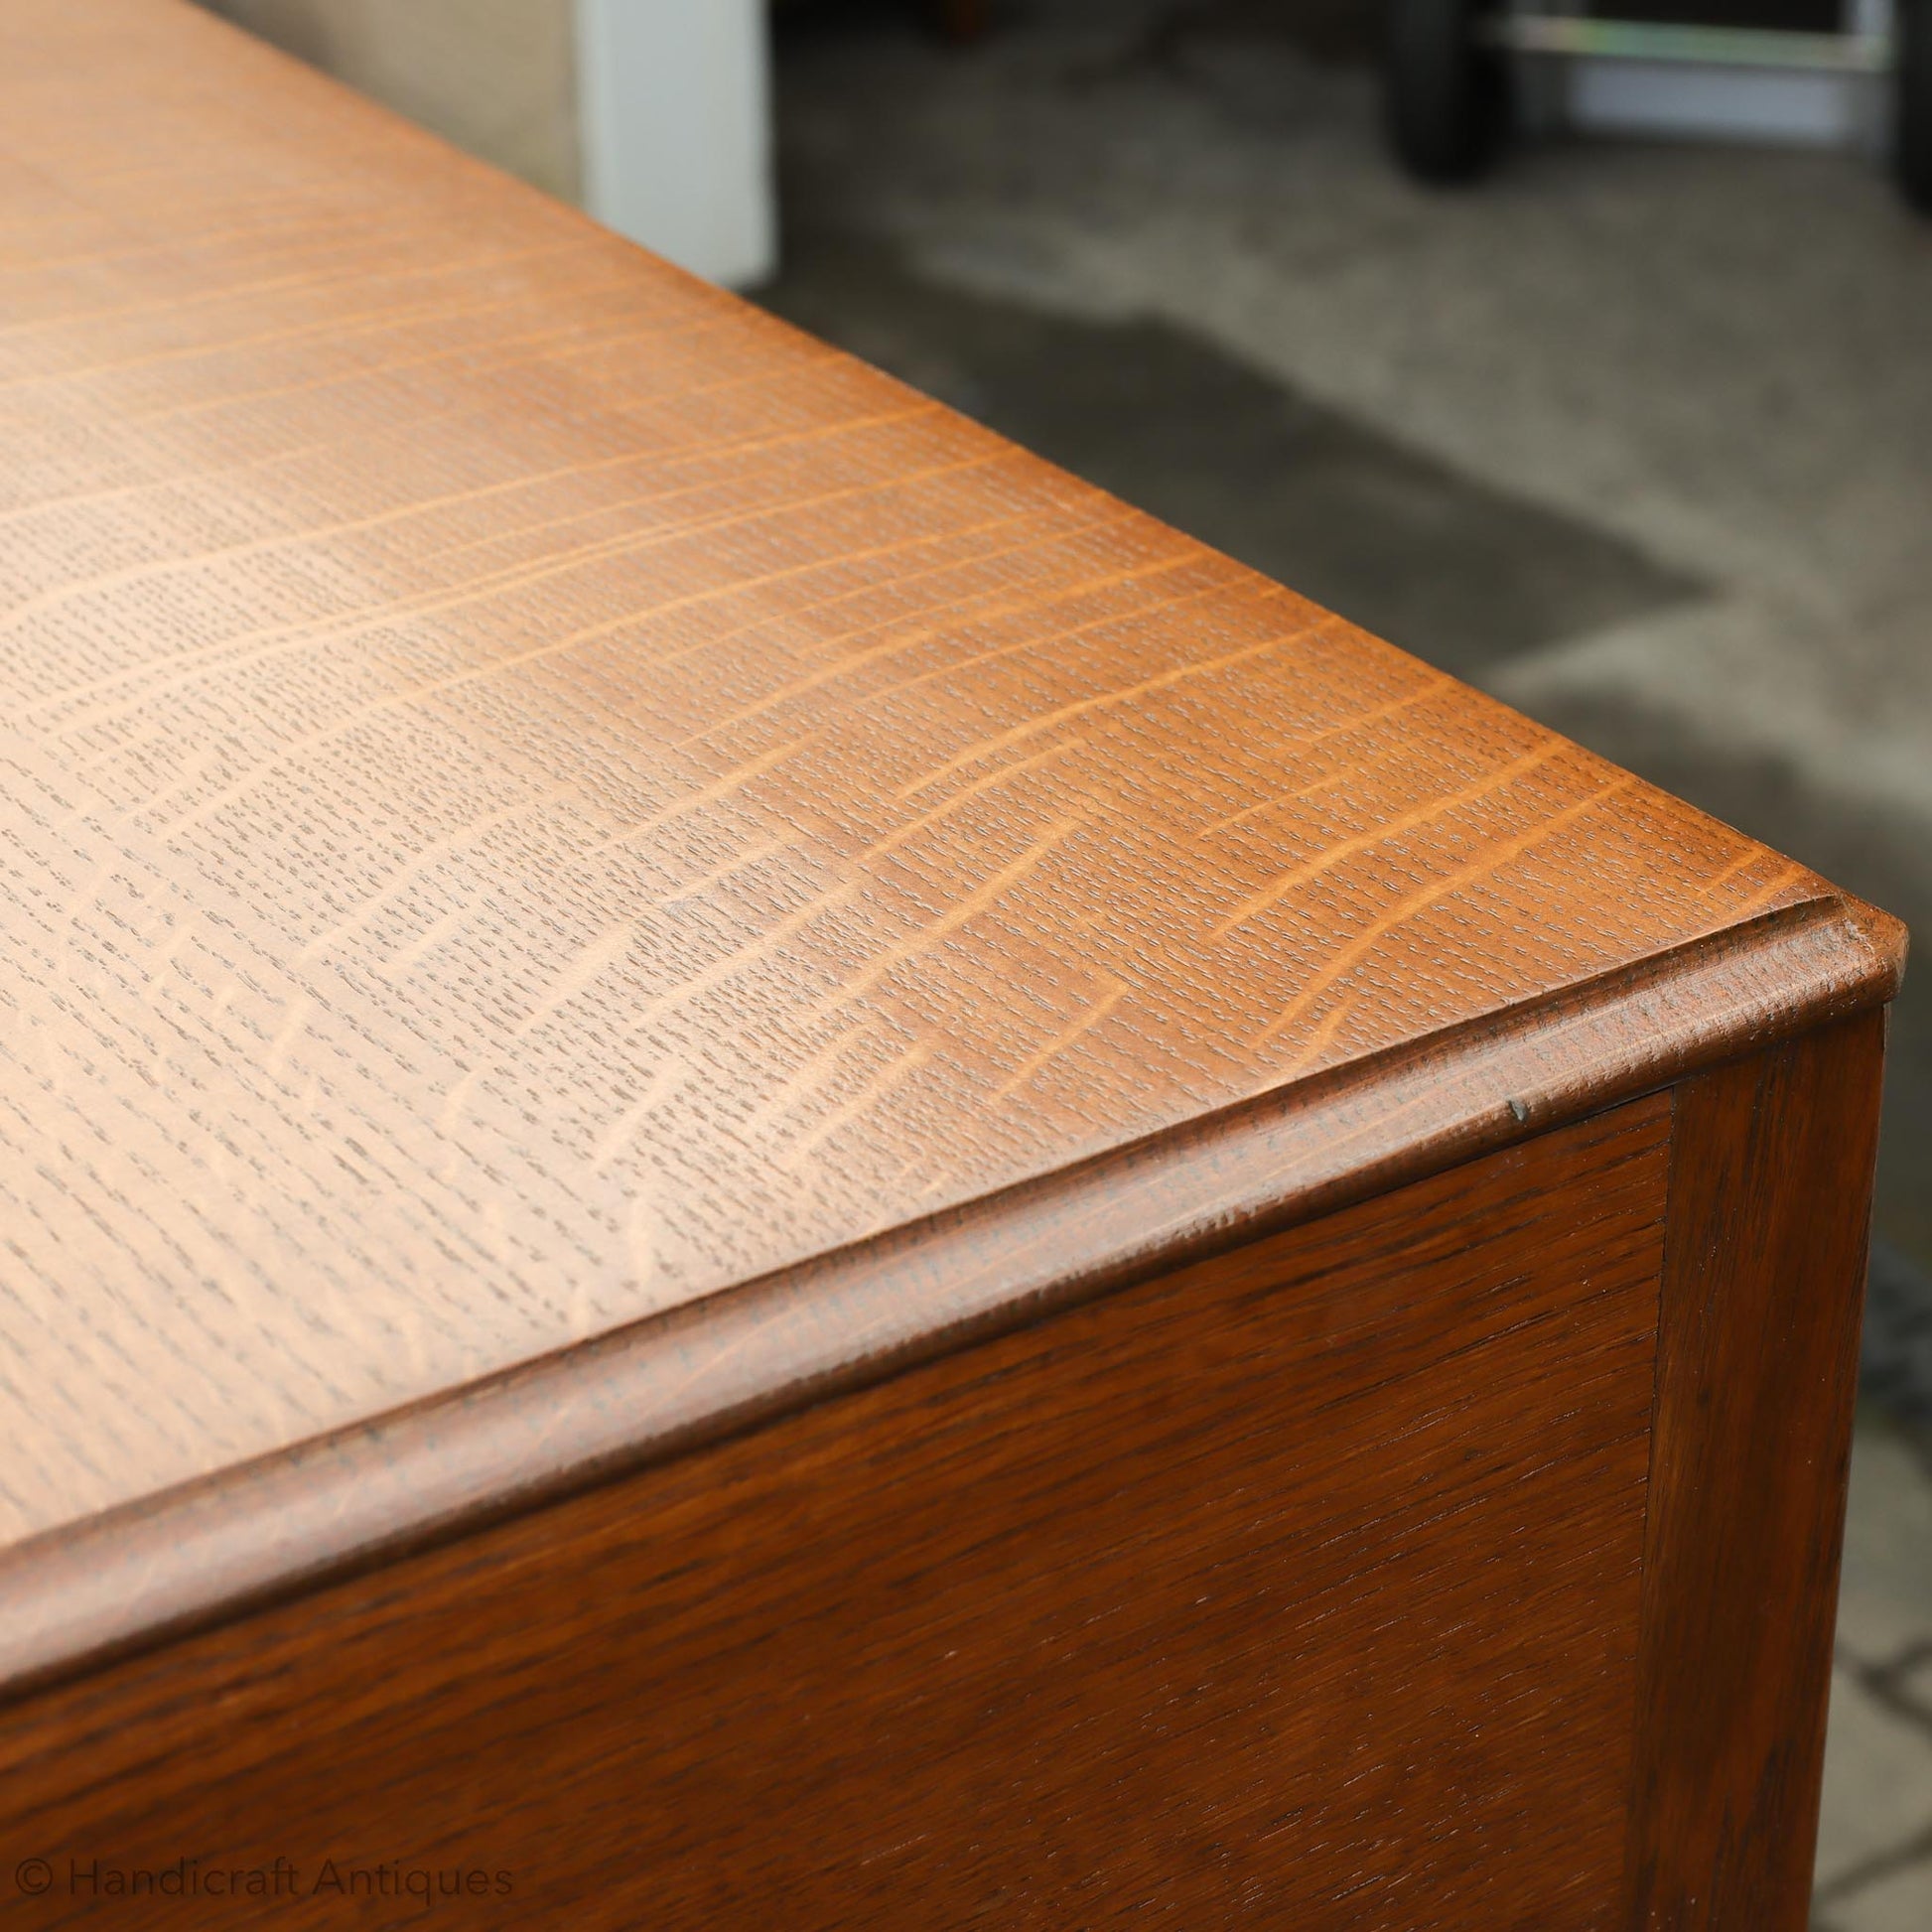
(1912, 101)
(1447, 92)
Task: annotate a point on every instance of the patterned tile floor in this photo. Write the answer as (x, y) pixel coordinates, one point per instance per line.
(1875, 1845)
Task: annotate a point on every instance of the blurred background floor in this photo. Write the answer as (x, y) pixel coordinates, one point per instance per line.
(1640, 438)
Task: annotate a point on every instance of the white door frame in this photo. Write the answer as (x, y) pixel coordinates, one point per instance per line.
(674, 111)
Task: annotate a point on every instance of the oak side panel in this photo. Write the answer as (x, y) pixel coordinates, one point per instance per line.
(1770, 1208)
(1298, 1587)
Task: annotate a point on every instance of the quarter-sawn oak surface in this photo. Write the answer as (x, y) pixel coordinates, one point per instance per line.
(535, 795)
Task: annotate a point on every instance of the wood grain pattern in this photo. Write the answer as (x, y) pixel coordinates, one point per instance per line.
(437, 1468)
(1771, 1202)
(1297, 1588)
(580, 867)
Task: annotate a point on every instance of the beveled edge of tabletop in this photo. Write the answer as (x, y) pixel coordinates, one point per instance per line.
(143, 1574)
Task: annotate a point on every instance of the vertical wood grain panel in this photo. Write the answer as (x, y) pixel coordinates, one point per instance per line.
(1770, 1208)
(1298, 1587)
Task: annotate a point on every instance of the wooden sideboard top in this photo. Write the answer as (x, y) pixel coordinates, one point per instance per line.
(536, 796)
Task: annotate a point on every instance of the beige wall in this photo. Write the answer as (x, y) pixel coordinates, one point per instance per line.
(495, 76)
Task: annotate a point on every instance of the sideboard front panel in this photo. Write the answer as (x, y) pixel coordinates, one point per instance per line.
(1298, 1587)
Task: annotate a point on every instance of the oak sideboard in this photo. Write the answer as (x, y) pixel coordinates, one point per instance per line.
(758, 1169)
